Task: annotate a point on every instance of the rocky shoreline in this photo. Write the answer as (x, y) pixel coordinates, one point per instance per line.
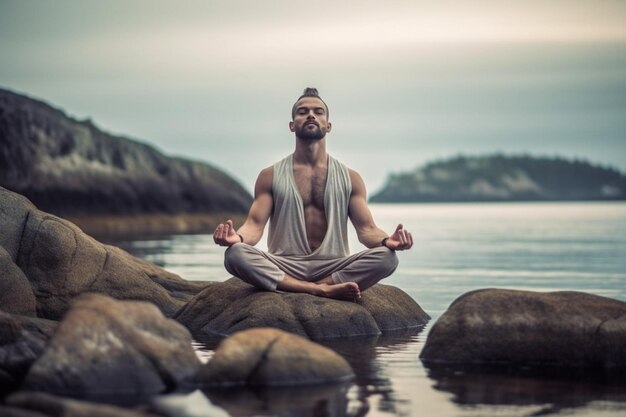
(83, 324)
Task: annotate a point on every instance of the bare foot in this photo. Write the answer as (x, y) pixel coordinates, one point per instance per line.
(345, 291)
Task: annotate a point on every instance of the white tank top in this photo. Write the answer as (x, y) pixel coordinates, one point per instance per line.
(287, 230)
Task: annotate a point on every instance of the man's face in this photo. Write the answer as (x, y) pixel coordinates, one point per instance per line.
(310, 120)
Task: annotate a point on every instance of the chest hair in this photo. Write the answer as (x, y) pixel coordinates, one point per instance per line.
(311, 183)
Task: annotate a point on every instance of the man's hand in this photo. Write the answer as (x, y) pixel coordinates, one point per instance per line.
(225, 234)
(400, 239)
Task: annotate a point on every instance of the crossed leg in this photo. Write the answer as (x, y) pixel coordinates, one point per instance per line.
(342, 278)
(323, 288)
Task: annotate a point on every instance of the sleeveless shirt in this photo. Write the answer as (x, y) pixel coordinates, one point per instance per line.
(287, 229)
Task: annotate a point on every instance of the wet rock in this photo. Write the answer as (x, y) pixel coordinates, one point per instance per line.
(104, 346)
(227, 307)
(36, 404)
(563, 328)
(271, 357)
(302, 401)
(59, 262)
(22, 341)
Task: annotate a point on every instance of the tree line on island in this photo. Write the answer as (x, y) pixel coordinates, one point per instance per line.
(504, 178)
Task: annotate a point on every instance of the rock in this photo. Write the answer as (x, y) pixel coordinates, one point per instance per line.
(71, 167)
(303, 400)
(22, 341)
(60, 262)
(226, 307)
(271, 357)
(523, 327)
(36, 404)
(104, 346)
(16, 294)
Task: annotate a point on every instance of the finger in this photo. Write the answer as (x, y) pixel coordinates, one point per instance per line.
(218, 231)
(402, 237)
(410, 238)
(399, 228)
(231, 228)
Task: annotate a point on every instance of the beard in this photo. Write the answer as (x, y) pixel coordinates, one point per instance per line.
(310, 134)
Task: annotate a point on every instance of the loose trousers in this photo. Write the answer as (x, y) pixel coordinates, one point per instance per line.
(264, 270)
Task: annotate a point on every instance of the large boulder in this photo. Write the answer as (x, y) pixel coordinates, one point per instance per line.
(494, 326)
(104, 346)
(271, 357)
(16, 294)
(47, 261)
(226, 307)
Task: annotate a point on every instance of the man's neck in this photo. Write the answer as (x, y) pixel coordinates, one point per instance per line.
(310, 152)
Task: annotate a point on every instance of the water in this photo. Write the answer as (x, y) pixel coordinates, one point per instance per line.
(458, 248)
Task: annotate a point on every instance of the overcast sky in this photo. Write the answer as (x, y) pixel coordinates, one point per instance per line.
(406, 81)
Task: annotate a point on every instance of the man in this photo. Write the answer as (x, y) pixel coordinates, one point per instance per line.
(308, 198)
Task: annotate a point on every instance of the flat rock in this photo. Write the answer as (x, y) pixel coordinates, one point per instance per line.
(271, 357)
(46, 261)
(565, 328)
(104, 346)
(226, 307)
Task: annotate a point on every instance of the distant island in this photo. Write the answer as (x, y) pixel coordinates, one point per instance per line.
(107, 183)
(504, 178)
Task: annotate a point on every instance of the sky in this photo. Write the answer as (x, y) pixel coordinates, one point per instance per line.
(407, 82)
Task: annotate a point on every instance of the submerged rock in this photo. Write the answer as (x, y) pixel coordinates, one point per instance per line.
(226, 307)
(563, 328)
(104, 346)
(36, 404)
(271, 357)
(46, 261)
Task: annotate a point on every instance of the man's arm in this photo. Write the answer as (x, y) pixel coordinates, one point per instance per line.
(252, 229)
(368, 233)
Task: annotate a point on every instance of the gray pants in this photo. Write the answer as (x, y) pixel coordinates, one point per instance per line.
(264, 270)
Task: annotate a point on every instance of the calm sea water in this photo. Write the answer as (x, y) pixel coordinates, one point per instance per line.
(458, 248)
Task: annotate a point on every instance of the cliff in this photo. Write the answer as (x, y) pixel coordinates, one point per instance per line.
(504, 178)
(72, 168)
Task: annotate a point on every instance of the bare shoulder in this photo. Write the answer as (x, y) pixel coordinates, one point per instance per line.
(358, 186)
(264, 181)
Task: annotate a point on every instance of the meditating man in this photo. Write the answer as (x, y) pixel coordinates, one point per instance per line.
(308, 198)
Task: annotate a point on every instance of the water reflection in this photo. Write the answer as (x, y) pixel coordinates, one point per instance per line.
(314, 401)
(551, 390)
(459, 247)
(372, 385)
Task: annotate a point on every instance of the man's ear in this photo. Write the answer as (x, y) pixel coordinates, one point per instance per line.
(291, 128)
(329, 127)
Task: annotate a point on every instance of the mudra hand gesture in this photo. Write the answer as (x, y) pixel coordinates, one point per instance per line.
(225, 234)
(400, 239)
